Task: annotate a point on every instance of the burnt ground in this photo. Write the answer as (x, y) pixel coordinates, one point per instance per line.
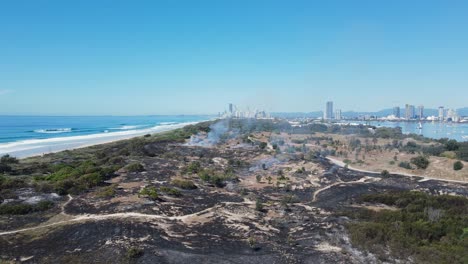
(210, 224)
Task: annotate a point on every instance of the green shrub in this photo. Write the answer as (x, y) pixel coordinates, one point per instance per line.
(452, 145)
(116, 160)
(258, 178)
(171, 191)
(193, 167)
(184, 184)
(214, 178)
(405, 165)
(150, 192)
(385, 173)
(258, 205)
(263, 145)
(22, 209)
(421, 162)
(458, 165)
(12, 182)
(91, 179)
(135, 167)
(106, 192)
(134, 252)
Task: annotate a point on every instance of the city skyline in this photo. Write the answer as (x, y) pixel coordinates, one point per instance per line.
(192, 58)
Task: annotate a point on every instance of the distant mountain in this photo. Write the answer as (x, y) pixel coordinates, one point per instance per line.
(353, 114)
(463, 111)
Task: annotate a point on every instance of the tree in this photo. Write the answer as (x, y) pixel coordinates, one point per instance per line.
(458, 165)
(263, 145)
(451, 145)
(385, 173)
(421, 162)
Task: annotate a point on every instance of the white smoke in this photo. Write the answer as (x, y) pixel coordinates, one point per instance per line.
(218, 130)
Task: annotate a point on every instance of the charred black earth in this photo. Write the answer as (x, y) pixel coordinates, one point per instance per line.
(205, 199)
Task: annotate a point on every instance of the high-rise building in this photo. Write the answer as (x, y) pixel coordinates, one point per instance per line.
(328, 114)
(409, 111)
(338, 114)
(396, 111)
(441, 113)
(231, 109)
(421, 112)
(452, 115)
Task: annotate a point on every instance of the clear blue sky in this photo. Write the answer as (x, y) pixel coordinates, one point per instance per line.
(172, 57)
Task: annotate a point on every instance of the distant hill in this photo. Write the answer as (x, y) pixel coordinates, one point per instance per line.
(352, 114)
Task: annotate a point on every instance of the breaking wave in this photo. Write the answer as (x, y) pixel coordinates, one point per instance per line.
(53, 130)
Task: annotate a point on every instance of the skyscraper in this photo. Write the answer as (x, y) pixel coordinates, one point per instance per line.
(409, 112)
(328, 114)
(441, 113)
(231, 109)
(338, 114)
(396, 111)
(421, 112)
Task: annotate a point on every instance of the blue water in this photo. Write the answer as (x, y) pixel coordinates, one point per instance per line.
(19, 128)
(25, 136)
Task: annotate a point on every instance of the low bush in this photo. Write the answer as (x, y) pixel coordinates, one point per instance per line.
(215, 178)
(193, 167)
(150, 192)
(184, 184)
(405, 165)
(259, 205)
(421, 162)
(458, 165)
(22, 209)
(171, 191)
(106, 192)
(134, 252)
(135, 167)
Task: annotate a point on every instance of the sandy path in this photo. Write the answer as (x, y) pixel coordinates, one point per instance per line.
(342, 164)
(132, 215)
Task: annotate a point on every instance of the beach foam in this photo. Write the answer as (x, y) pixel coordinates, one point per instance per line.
(53, 130)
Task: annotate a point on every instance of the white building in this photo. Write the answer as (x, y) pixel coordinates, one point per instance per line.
(441, 113)
(338, 114)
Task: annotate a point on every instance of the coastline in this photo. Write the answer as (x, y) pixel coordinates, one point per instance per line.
(37, 147)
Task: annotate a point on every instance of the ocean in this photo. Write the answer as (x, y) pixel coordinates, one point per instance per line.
(24, 136)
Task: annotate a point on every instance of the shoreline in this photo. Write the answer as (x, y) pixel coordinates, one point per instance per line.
(424, 178)
(38, 147)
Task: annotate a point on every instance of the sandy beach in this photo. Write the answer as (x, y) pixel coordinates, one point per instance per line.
(36, 147)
